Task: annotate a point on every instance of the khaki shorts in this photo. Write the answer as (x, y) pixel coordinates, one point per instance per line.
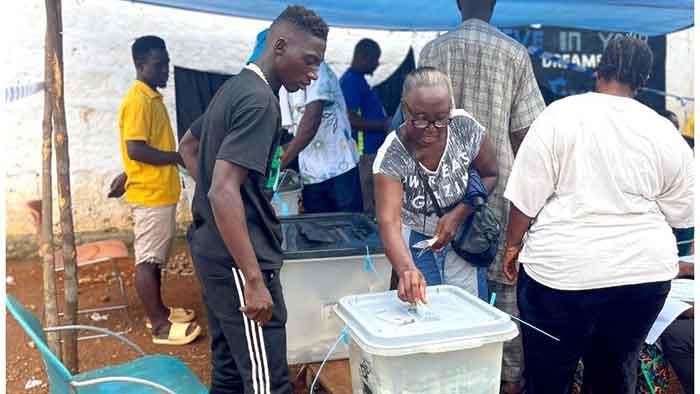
(154, 232)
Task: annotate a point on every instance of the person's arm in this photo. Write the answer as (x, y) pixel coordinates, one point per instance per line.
(388, 195)
(516, 138)
(189, 146)
(447, 226)
(251, 133)
(686, 270)
(189, 150)
(136, 119)
(354, 89)
(306, 131)
(675, 196)
(357, 123)
(140, 151)
(531, 183)
(527, 103)
(485, 162)
(518, 223)
(229, 215)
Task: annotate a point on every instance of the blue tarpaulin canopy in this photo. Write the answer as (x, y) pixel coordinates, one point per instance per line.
(649, 17)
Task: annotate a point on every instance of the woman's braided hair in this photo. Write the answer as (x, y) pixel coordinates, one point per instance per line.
(628, 60)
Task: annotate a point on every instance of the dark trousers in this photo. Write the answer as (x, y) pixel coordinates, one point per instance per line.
(367, 182)
(246, 358)
(338, 194)
(677, 342)
(604, 326)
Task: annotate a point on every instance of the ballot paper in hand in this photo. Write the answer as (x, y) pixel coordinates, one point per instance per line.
(425, 244)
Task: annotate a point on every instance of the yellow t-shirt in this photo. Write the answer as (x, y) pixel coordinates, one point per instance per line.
(143, 117)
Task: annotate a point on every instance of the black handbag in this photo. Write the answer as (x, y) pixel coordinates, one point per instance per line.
(477, 240)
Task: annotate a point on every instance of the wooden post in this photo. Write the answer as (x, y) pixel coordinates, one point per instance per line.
(46, 251)
(55, 48)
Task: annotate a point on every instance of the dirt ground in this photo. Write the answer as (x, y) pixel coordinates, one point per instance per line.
(96, 287)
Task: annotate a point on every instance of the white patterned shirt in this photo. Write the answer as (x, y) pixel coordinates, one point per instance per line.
(333, 151)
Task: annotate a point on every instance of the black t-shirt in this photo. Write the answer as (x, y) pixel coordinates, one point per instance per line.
(241, 125)
(196, 127)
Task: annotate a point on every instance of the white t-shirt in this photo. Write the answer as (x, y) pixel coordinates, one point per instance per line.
(332, 152)
(606, 178)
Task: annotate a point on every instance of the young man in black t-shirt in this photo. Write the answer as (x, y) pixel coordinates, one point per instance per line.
(235, 236)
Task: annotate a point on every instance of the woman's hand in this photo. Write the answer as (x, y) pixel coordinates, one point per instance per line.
(388, 195)
(685, 270)
(412, 286)
(518, 223)
(510, 262)
(449, 224)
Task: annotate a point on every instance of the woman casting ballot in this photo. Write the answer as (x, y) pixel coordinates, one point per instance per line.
(434, 147)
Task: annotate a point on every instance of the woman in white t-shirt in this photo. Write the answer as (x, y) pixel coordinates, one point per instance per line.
(436, 144)
(596, 187)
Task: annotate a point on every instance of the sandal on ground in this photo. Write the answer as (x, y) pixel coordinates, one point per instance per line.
(177, 315)
(178, 334)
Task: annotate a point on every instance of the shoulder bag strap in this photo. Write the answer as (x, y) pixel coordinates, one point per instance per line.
(427, 187)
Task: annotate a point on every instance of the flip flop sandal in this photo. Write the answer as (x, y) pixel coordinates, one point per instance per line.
(177, 315)
(178, 335)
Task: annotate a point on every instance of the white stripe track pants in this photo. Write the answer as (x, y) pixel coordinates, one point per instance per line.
(246, 358)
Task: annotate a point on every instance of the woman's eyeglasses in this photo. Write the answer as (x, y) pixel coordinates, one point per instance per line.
(423, 124)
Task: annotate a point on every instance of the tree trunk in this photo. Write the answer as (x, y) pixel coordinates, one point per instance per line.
(46, 251)
(55, 48)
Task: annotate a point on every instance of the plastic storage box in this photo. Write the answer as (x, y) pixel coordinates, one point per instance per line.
(452, 345)
(325, 260)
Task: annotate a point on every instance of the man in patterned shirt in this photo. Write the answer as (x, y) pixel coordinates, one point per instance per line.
(492, 79)
(318, 118)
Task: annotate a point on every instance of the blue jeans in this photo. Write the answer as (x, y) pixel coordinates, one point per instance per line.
(432, 265)
(483, 287)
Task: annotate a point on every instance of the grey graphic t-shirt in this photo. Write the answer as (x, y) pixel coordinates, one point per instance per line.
(449, 182)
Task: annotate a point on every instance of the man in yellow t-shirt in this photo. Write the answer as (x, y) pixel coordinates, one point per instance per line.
(152, 187)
